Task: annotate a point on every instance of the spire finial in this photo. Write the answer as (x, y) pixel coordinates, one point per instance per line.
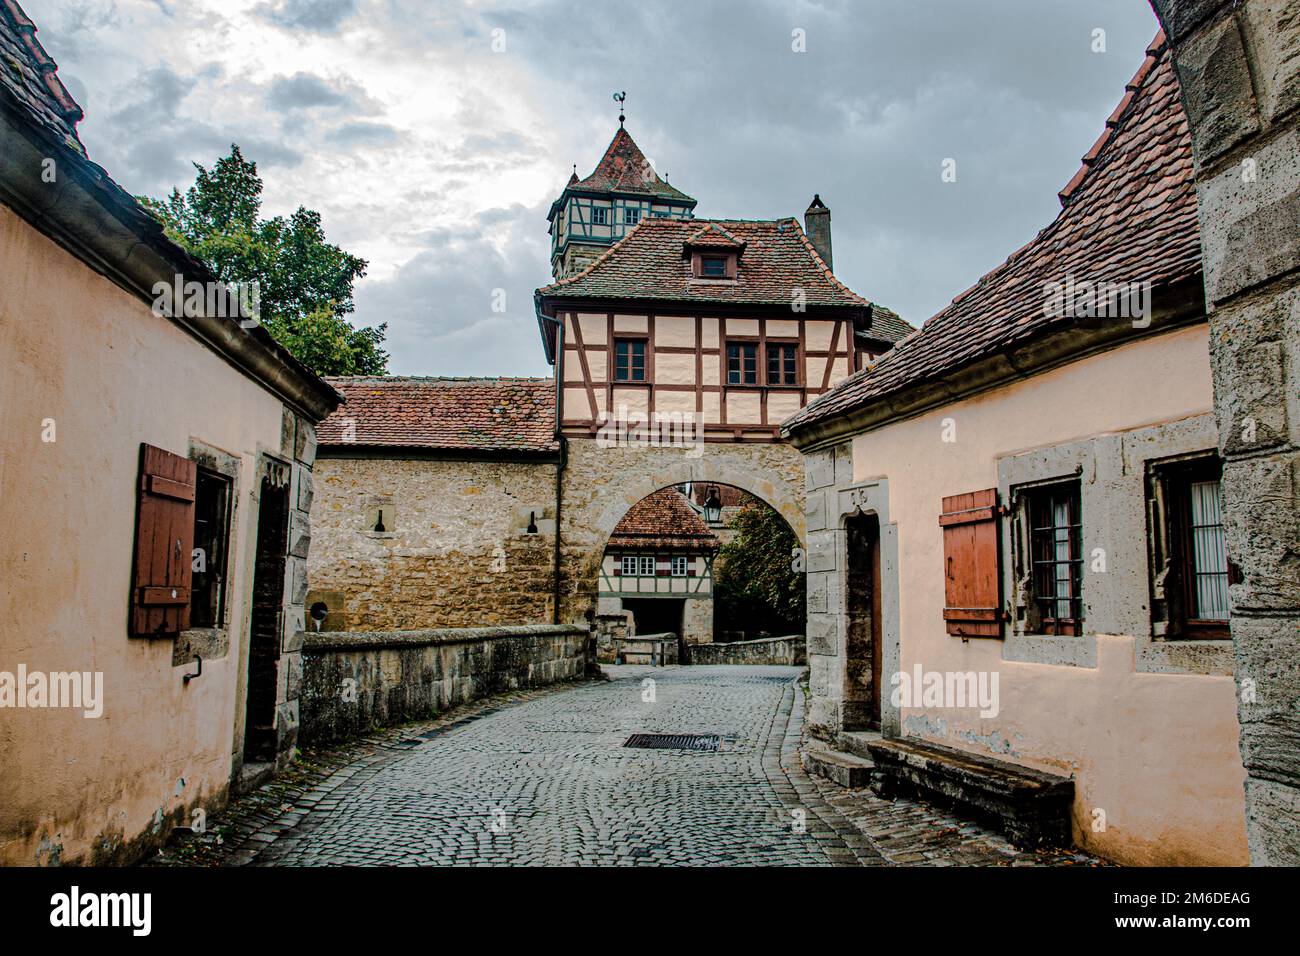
(619, 98)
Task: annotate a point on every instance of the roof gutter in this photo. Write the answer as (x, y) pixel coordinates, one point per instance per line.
(1183, 305)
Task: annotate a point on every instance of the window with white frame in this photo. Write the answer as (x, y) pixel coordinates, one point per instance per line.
(629, 565)
(647, 565)
(679, 566)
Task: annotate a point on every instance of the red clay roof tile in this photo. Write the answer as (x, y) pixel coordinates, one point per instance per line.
(663, 520)
(497, 415)
(778, 260)
(624, 169)
(30, 76)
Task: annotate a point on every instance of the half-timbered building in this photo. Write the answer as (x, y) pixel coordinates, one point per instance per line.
(659, 564)
(734, 324)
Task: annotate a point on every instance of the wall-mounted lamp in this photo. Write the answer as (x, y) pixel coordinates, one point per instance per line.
(713, 506)
(318, 612)
(532, 522)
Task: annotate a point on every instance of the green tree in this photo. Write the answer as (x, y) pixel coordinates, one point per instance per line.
(756, 588)
(305, 282)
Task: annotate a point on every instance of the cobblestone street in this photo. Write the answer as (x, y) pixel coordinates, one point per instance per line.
(545, 778)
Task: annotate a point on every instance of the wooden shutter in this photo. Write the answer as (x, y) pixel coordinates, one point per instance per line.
(164, 541)
(972, 564)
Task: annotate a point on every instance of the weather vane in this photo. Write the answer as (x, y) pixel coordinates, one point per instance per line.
(619, 99)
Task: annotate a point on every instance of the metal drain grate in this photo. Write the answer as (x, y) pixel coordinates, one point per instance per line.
(674, 741)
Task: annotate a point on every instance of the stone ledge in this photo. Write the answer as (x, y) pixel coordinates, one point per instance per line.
(1031, 806)
(378, 640)
(789, 650)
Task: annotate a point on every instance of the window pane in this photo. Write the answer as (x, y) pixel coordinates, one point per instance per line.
(629, 565)
(714, 266)
(211, 537)
(1056, 554)
(1209, 555)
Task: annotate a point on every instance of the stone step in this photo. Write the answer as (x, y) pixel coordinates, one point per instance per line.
(847, 770)
(857, 742)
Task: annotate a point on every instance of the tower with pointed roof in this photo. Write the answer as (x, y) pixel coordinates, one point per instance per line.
(594, 213)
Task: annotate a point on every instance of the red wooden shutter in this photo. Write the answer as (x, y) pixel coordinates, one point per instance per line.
(164, 541)
(972, 565)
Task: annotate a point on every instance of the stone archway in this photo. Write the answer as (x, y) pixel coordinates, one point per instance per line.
(773, 491)
(601, 484)
(1238, 65)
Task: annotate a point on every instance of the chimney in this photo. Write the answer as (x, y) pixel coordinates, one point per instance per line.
(817, 223)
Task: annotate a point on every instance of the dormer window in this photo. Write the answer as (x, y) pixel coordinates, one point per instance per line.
(714, 254)
(713, 267)
(711, 264)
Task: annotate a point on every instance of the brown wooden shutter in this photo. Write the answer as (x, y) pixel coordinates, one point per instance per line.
(164, 541)
(972, 564)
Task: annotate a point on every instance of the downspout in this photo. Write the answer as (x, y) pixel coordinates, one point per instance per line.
(564, 454)
(559, 504)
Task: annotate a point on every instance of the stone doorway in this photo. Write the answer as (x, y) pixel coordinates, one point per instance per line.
(864, 651)
(267, 621)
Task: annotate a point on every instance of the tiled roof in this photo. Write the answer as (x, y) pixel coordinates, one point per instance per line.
(1129, 215)
(777, 260)
(713, 236)
(624, 169)
(453, 414)
(29, 76)
(662, 520)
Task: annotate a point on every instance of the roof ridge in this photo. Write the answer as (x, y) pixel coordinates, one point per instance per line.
(817, 258)
(599, 259)
(1154, 51)
(394, 379)
(69, 110)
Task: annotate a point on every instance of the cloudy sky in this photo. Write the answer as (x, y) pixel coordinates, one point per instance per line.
(432, 135)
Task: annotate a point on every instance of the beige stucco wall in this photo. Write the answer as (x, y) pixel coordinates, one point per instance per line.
(79, 350)
(1156, 752)
(456, 553)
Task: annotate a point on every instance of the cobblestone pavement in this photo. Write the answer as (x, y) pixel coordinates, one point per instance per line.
(543, 778)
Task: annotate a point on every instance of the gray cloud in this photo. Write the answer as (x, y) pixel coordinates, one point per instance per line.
(363, 133)
(1009, 89)
(317, 16)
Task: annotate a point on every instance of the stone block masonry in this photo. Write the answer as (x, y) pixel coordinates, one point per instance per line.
(353, 682)
(456, 550)
(1239, 67)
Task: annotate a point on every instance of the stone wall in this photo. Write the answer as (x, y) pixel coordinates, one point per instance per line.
(356, 681)
(455, 551)
(1238, 64)
(789, 650)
